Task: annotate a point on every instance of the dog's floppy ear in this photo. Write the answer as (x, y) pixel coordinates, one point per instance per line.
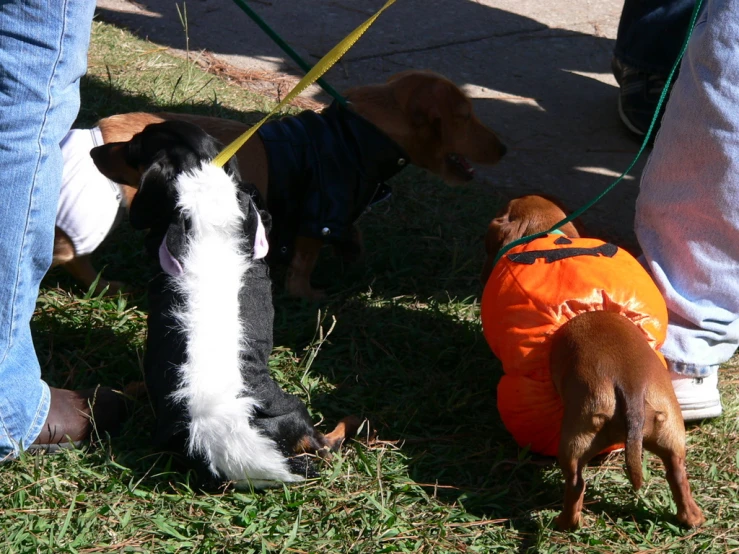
(155, 201)
(418, 93)
(424, 104)
(439, 103)
(501, 231)
(111, 160)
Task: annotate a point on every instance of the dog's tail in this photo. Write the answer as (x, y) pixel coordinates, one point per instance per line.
(632, 404)
(219, 403)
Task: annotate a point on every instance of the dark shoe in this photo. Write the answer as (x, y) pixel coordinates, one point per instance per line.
(78, 416)
(638, 97)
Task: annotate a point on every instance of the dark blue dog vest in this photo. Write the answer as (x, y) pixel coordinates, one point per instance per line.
(324, 171)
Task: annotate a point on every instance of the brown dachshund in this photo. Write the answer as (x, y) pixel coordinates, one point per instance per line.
(319, 172)
(612, 384)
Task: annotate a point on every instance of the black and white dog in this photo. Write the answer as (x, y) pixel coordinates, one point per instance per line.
(210, 313)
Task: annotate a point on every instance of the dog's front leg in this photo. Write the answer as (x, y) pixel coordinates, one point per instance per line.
(297, 280)
(666, 438)
(351, 251)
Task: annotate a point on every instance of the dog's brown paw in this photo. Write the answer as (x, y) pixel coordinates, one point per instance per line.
(691, 516)
(344, 430)
(315, 295)
(567, 523)
(310, 294)
(350, 253)
(135, 390)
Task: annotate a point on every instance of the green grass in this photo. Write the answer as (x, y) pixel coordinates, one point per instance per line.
(406, 351)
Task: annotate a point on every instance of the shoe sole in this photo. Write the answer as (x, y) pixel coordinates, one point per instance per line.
(625, 120)
(701, 412)
(54, 448)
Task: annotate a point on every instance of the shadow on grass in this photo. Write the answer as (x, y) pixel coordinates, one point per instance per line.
(417, 367)
(84, 342)
(98, 341)
(553, 108)
(100, 99)
(426, 381)
(407, 352)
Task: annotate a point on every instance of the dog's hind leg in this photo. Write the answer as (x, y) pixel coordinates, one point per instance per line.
(574, 493)
(666, 438)
(688, 512)
(575, 447)
(582, 438)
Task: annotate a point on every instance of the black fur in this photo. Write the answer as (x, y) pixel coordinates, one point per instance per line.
(166, 150)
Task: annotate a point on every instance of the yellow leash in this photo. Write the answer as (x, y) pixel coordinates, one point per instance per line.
(311, 77)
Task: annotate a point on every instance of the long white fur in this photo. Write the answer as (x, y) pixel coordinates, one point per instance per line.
(212, 387)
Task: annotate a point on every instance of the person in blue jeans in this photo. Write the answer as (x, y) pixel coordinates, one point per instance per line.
(687, 211)
(650, 36)
(43, 54)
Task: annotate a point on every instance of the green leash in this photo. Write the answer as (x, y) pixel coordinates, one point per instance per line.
(271, 33)
(321, 67)
(643, 147)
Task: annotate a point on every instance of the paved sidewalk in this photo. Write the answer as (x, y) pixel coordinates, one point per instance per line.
(539, 72)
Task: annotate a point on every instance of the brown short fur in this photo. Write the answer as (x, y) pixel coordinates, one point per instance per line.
(424, 113)
(614, 387)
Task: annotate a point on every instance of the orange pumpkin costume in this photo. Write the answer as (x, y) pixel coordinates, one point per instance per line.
(534, 289)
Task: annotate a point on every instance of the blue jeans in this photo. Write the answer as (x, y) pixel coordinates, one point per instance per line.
(687, 212)
(651, 32)
(43, 54)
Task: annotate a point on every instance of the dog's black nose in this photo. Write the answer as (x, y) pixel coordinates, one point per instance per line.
(503, 150)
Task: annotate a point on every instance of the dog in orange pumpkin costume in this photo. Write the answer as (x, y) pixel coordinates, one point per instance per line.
(576, 324)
